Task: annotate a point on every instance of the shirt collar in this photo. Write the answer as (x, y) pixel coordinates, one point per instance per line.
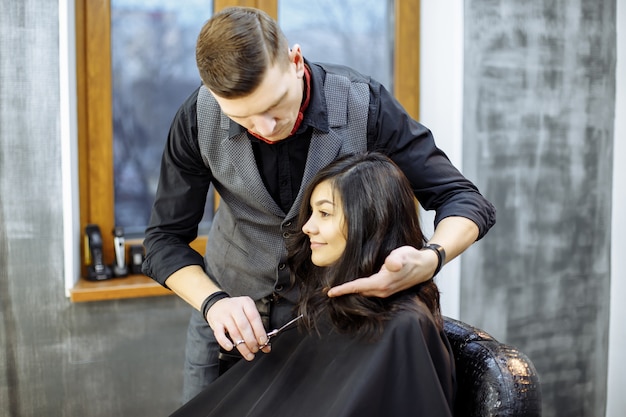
(316, 114)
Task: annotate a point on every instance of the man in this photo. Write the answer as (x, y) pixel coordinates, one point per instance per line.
(263, 123)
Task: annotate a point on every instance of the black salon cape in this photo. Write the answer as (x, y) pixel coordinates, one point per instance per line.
(408, 372)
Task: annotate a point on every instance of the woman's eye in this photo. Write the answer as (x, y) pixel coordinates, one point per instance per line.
(324, 214)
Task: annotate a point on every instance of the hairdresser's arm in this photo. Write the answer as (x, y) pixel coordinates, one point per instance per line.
(408, 266)
(179, 206)
(463, 215)
(436, 183)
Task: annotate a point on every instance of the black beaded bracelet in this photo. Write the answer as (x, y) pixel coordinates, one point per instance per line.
(441, 256)
(210, 300)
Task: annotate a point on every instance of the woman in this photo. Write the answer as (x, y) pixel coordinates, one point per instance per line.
(353, 355)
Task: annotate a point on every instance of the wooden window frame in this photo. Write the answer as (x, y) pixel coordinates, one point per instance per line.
(95, 124)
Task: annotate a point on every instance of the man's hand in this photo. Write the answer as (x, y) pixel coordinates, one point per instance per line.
(236, 323)
(407, 266)
(403, 268)
(235, 317)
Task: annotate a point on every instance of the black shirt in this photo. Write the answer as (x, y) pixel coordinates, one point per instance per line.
(281, 166)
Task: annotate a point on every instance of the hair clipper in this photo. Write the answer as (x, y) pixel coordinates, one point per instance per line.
(120, 269)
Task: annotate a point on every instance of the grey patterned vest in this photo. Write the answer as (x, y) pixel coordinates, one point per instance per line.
(246, 252)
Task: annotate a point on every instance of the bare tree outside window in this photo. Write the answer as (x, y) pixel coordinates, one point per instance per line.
(357, 33)
(154, 70)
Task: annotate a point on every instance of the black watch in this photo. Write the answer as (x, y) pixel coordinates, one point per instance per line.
(441, 255)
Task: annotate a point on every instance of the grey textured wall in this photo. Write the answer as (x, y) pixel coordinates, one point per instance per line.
(57, 358)
(538, 125)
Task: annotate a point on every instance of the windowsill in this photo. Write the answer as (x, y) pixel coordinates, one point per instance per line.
(132, 286)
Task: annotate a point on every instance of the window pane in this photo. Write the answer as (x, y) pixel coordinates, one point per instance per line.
(154, 70)
(357, 33)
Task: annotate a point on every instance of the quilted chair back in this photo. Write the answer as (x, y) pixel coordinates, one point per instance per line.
(493, 379)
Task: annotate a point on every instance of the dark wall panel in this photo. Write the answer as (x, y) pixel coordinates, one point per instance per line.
(539, 105)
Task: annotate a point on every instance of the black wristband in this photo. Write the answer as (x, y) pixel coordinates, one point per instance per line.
(441, 255)
(210, 300)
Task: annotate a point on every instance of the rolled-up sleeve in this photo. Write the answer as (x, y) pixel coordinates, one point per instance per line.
(437, 184)
(180, 200)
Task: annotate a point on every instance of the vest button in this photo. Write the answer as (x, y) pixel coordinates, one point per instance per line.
(281, 267)
(286, 235)
(279, 288)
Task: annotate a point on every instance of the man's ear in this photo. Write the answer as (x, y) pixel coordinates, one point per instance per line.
(296, 58)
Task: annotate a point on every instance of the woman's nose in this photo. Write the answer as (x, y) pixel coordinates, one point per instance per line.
(308, 228)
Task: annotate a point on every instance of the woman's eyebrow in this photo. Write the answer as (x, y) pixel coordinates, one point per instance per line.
(324, 201)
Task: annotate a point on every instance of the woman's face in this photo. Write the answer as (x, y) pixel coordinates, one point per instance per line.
(325, 227)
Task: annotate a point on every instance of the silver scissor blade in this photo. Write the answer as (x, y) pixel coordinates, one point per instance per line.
(275, 332)
(289, 323)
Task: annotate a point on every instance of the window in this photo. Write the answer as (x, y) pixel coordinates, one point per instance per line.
(356, 33)
(95, 91)
(153, 71)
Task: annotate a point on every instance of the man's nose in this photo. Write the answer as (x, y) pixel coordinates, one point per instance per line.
(264, 125)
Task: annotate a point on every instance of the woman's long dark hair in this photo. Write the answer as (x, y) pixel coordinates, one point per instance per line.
(380, 213)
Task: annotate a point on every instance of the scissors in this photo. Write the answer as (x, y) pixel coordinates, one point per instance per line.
(276, 332)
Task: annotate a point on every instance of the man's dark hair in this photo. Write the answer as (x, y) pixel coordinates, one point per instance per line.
(236, 47)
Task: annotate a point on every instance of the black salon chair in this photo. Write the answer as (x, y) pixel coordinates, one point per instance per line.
(493, 379)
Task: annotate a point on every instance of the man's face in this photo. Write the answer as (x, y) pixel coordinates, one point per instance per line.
(272, 109)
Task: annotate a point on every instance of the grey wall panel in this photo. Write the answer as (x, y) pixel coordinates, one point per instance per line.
(539, 103)
(58, 358)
